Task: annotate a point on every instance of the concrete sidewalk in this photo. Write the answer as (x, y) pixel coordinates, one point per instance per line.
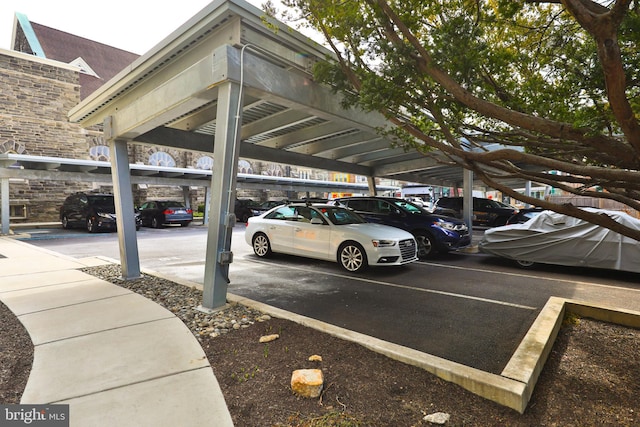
(117, 358)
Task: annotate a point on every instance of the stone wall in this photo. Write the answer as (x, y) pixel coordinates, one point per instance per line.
(35, 97)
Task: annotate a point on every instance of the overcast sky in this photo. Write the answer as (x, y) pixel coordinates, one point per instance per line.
(132, 25)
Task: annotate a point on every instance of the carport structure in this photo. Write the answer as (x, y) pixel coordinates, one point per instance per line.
(236, 83)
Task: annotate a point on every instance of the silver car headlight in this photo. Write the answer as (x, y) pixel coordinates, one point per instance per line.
(104, 215)
(378, 243)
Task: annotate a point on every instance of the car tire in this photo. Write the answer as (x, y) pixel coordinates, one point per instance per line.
(524, 264)
(92, 227)
(426, 245)
(261, 245)
(184, 224)
(65, 222)
(155, 223)
(352, 257)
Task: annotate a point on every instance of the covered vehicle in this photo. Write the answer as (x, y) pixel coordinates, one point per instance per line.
(553, 238)
(331, 233)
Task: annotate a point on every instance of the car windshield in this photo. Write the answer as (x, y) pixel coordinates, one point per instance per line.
(497, 204)
(408, 206)
(165, 205)
(340, 216)
(104, 201)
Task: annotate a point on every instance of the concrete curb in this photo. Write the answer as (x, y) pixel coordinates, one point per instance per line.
(512, 388)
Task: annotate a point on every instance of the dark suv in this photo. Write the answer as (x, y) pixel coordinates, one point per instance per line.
(433, 233)
(94, 211)
(487, 212)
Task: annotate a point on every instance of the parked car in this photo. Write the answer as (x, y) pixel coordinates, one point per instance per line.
(524, 215)
(265, 206)
(94, 211)
(244, 209)
(553, 238)
(156, 213)
(434, 233)
(331, 233)
(486, 212)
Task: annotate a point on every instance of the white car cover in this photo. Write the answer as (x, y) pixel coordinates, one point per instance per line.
(553, 238)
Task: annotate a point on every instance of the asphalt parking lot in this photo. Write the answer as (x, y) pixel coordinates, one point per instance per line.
(468, 308)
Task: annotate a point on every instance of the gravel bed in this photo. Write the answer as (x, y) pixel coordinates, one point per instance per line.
(183, 301)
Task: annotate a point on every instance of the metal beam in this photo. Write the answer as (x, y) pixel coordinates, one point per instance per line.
(223, 185)
(123, 198)
(169, 137)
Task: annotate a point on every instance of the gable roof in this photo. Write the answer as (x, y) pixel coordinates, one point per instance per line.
(98, 62)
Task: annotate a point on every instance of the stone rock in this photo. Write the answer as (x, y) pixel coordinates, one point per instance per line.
(437, 418)
(315, 358)
(269, 338)
(307, 382)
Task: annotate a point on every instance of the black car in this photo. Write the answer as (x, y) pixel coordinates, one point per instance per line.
(524, 215)
(265, 206)
(156, 213)
(486, 212)
(433, 233)
(94, 211)
(244, 208)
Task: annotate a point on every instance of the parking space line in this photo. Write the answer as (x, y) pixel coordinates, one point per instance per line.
(411, 288)
(528, 276)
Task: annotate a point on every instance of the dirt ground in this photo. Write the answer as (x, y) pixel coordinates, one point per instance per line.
(591, 378)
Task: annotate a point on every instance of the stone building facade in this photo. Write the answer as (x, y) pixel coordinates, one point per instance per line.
(35, 97)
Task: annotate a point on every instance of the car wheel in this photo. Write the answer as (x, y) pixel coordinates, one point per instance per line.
(91, 225)
(65, 222)
(245, 218)
(155, 223)
(426, 245)
(261, 245)
(352, 257)
(184, 224)
(525, 264)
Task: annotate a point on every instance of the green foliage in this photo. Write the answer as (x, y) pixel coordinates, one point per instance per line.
(245, 374)
(531, 58)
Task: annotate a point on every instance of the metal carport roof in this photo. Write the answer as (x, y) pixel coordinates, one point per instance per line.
(227, 83)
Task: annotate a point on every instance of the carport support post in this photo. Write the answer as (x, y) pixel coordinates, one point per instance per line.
(226, 147)
(185, 196)
(123, 197)
(4, 205)
(207, 205)
(467, 200)
(371, 181)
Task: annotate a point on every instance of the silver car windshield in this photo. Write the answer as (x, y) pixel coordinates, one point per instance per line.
(340, 216)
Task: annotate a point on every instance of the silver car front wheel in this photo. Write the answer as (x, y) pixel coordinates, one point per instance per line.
(261, 245)
(352, 257)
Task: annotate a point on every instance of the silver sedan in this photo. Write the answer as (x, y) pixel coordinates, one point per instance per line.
(330, 233)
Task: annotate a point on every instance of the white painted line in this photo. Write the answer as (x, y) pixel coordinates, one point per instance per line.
(528, 276)
(411, 288)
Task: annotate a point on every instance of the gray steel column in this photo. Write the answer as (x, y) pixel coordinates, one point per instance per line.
(207, 205)
(123, 195)
(527, 192)
(223, 189)
(467, 203)
(4, 205)
(371, 181)
(185, 196)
